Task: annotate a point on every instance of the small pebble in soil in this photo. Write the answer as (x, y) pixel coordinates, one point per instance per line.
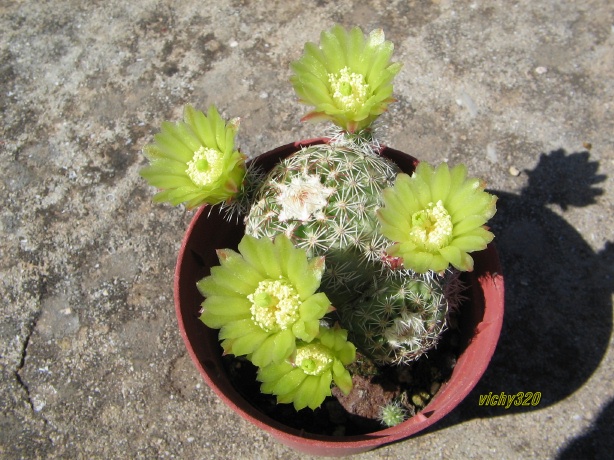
(420, 399)
(435, 388)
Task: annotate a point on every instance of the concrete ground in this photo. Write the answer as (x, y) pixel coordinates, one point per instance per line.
(92, 364)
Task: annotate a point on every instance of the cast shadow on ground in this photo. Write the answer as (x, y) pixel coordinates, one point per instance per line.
(558, 317)
(597, 443)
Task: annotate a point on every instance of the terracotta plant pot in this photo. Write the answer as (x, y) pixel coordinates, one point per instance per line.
(481, 318)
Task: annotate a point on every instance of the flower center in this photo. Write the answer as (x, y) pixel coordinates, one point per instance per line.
(313, 359)
(350, 90)
(275, 305)
(303, 197)
(205, 167)
(431, 227)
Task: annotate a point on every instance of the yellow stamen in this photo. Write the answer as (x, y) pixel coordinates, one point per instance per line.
(350, 90)
(313, 359)
(431, 227)
(275, 305)
(205, 167)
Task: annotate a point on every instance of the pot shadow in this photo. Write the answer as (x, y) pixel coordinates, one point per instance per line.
(558, 317)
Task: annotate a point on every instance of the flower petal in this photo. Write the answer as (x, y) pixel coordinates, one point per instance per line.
(332, 50)
(315, 307)
(440, 183)
(468, 224)
(289, 382)
(236, 263)
(230, 280)
(285, 344)
(342, 377)
(306, 392)
(260, 255)
(217, 320)
(453, 255)
(346, 353)
(297, 270)
(235, 329)
(247, 343)
(274, 372)
(263, 355)
(323, 390)
(354, 46)
(470, 242)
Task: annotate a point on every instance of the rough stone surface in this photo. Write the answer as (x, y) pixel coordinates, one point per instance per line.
(92, 364)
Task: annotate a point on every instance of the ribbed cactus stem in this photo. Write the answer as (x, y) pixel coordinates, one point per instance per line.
(398, 320)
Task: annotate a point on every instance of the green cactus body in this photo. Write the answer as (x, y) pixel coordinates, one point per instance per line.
(324, 199)
(399, 320)
(392, 414)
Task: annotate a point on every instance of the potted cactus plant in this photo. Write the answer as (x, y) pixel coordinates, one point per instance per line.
(331, 268)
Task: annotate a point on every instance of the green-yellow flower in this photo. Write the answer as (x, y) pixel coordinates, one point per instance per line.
(306, 379)
(194, 161)
(348, 78)
(436, 217)
(264, 298)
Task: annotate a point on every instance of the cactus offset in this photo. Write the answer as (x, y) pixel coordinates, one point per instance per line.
(392, 414)
(398, 320)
